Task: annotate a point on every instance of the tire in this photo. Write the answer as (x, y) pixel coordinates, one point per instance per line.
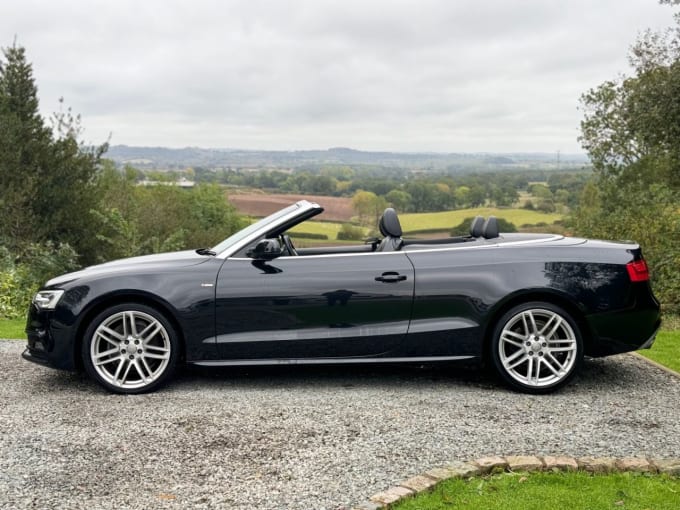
(536, 347)
(130, 348)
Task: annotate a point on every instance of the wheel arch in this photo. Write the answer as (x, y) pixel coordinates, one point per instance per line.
(129, 296)
(576, 311)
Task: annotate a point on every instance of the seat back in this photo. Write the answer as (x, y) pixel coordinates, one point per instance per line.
(490, 229)
(390, 228)
(477, 226)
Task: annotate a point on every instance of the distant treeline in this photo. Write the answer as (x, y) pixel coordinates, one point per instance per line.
(150, 158)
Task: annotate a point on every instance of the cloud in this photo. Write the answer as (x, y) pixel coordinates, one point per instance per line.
(394, 75)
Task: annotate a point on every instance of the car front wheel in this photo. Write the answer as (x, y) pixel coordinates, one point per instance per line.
(537, 347)
(130, 348)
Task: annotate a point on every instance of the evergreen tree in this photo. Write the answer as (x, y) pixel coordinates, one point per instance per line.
(23, 140)
(47, 177)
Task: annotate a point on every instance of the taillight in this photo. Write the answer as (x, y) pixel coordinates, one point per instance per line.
(638, 271)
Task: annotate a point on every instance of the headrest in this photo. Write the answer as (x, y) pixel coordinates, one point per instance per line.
(389, 223)
(490, 229)
(477, 226)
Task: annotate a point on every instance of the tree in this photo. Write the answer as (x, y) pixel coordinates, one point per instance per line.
(430, 196)
(368, 207)
(421, 194)
(136, 220)
(210, 218)
(476, 196)
(322, 185)
(399, 199)
(47, 177)
(631, 129)
(541, 191)
(67, 190)
(23, 142)
(462, 194)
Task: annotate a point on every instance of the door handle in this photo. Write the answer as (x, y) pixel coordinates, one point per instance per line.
(390, 277)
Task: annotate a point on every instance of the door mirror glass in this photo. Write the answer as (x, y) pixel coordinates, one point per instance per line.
(266, 249)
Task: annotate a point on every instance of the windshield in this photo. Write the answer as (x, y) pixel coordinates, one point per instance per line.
(242, 234)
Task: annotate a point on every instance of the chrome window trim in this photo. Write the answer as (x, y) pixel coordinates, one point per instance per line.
(555, 237)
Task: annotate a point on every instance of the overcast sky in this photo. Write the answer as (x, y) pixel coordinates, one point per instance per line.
(425, 75)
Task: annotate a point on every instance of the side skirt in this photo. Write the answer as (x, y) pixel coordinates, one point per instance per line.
(325, 361)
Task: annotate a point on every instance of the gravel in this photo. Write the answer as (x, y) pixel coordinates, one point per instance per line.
(302, 437)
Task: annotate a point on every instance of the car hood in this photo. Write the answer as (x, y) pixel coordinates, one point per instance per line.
(156, 262)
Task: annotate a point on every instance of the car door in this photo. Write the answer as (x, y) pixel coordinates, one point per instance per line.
(315, 306)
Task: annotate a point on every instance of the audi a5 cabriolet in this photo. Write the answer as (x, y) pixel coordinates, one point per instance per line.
(531, 305)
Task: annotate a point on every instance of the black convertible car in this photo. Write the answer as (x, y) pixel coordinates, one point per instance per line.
(532, 305)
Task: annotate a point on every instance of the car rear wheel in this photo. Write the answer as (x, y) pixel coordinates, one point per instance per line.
(537, 347)
(130, 348)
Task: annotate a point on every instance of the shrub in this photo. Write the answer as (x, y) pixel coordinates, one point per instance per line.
(22, 276)
(11, 296)
(138, 220)
(463, 228)
(350, 232)
(426, 231)
(308, 235)
(546, 206)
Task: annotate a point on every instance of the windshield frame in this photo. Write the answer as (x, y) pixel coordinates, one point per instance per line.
(244, 237)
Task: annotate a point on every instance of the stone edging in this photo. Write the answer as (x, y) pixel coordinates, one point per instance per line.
(487, 465)
(669, 371)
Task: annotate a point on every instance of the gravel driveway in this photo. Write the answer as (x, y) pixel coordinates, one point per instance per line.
(301, 438)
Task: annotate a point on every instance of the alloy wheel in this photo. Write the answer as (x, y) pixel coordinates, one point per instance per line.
(538, 348)
(130, 350)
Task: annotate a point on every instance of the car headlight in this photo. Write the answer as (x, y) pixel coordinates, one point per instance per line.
(47, 299)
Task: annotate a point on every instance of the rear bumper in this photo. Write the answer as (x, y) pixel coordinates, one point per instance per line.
(648, 344)
(625, 330)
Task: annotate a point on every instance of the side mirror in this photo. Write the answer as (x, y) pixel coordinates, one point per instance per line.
(267, 249)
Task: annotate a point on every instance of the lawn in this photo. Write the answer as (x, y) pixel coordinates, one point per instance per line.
(666, 350)
(538, 491)
(12, 328)
(318, 227)
(449, 219)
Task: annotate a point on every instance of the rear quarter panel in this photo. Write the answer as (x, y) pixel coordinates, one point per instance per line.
(460, 293)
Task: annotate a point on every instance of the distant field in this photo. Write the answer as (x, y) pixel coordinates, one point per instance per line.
(448, 219)
(338, 210)
(263, 204)
(443, 221)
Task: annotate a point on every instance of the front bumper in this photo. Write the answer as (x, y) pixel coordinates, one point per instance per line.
(50, 341)
(35, 356)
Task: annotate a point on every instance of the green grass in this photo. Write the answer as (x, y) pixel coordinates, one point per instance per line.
(666, 350)
(13, 328)
(540, 491)
(318, 227)
(449, 219)
(329, 229)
